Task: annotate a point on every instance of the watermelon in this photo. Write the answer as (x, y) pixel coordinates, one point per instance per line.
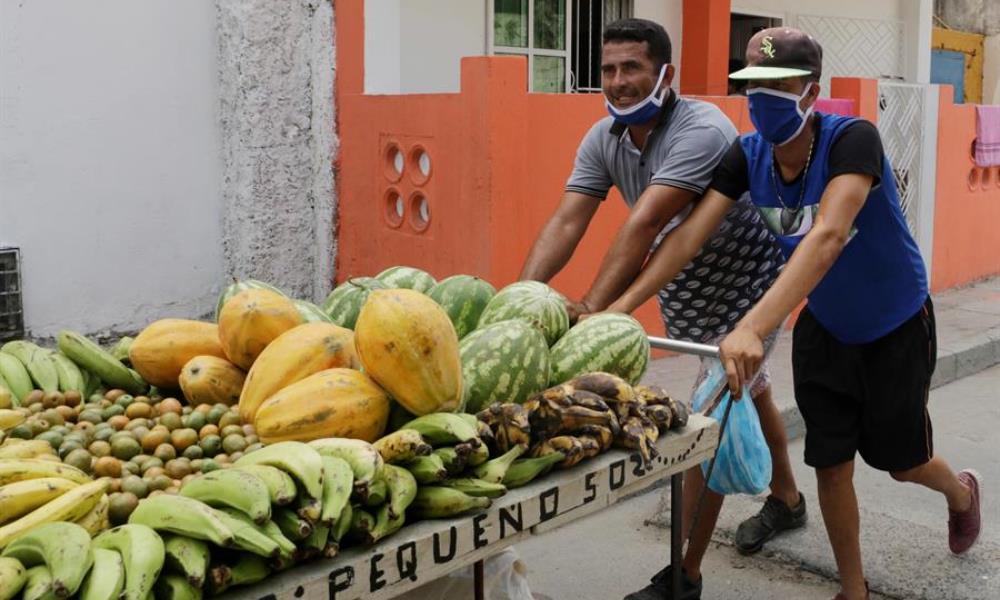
(238, 286)
(610, 342)
(503, 362)
(463, 297)
(533, 302)
(410, 278)
(344, 303)
(311, 313)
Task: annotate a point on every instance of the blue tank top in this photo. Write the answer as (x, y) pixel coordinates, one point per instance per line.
(879, 280)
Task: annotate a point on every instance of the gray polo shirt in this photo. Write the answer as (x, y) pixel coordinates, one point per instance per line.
(682, 153)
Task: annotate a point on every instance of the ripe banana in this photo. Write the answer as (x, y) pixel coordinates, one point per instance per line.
(588, 400)
(612, 388)
(280, 485)
(175, 587)
(36, 360)
(402, 446)
(64, 548)
(402, 489)
(602, 435)
(365, 460)
(187, 557)
(232, 488)
(142, 554)
(299, 460)
(96, 520)
(88, 355)
(338, 481)
(247, 535)
(70, 506)
(16, 448)
(524, 470)
(70, 376)
(292, 525)
(476, 487)
(37, 584)
(509, 423)
(634, 436)
(22, 497)
(571, 447)
(18, 469)
(427, 469)
(10, 419)
(493, 471)
(15, 376)
(436, 502)
(184, 516)
(445, 429)
(12, 578)
(106, 578)
(659, 414)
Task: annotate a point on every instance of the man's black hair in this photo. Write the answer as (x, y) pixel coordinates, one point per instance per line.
(641, 30)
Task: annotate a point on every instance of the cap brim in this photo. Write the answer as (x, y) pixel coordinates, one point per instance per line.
(758, 72)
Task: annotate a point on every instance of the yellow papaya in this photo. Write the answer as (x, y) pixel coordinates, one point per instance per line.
(211, 380)
(251, 320)
(332, 403)
(294, 355)
(165, 346)
(408, 345)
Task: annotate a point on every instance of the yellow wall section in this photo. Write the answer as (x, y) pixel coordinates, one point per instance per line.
(972, 45)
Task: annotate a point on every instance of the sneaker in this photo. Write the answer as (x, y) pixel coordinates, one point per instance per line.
(964, 527)
(773, 518)
(660, 588)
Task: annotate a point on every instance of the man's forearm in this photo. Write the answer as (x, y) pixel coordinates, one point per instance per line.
(620, 266)
(549, 254)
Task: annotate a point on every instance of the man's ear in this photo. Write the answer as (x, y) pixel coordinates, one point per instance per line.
(668, 79)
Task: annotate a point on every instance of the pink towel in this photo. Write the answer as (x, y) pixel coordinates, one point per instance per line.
(836, 106)
(987, 135)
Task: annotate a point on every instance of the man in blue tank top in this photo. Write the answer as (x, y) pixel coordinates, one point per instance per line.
(864, 348)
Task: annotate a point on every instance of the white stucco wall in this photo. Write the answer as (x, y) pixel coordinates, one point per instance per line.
(110, 160)
(670, 14)
(991, 69)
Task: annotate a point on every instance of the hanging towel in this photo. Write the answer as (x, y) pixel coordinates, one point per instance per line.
(988, 135)
(836, 106)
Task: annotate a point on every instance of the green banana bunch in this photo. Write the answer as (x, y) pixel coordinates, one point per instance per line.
(38, 584)
(377, 493)
(299, 460)
(476, 487)
(427, 469)
(385, 525)
(365, 460)
(402, 489)
(64, 548)
(247, 535)
(12, 578)
(142, 554)
(315, 544)
(247, 569)
(437, 502)
(455, 458)
(36, 360)
(183, 516)
(493, 471)
(70, 376)
(343, 525)
(524, 470)
(280, 485)
(106, 578)
(291, 524)
(16, 377)
(362, 522)
(95, 359)
(233, 488)
(310, 509)
(175, 587)
(187, 557)
(401, 446)
(121, 348)
(285, 545)
(338, 482)
(445, 429)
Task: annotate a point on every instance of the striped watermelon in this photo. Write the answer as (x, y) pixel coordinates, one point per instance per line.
(463, 297)
(238, 286)
(410, 278)
(503, 362)
(611, 342)
(531, 301)
(310, 312)
(344, 303)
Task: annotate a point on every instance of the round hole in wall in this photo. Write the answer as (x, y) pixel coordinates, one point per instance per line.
(974, 179)
(420, 165)
(393, 208)
(393, 162)
(420, 211)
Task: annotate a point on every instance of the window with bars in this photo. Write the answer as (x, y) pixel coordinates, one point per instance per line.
(560, 38)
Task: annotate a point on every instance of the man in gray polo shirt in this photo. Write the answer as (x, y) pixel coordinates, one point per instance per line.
(660, 151)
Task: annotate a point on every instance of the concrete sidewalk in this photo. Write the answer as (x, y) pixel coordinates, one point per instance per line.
(968, 328)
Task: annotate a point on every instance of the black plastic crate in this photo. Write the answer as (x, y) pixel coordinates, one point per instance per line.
(11, 306)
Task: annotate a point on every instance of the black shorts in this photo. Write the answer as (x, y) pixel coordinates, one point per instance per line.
(866, 398)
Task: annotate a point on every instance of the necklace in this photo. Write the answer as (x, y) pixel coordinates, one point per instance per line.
(793, 211)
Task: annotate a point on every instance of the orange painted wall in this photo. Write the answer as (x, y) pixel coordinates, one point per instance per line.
(967, 207)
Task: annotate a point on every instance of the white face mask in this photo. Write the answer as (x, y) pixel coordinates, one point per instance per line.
(644, 111)
(777, 115)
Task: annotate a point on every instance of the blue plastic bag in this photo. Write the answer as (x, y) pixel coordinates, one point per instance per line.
(743, 460)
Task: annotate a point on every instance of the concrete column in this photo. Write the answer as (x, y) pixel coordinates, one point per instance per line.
(918, 19)
(705, 60)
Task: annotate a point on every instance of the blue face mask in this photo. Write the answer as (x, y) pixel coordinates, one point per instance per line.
(777, 115)
(641, 112)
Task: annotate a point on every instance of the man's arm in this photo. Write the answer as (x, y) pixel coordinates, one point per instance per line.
(742, 350)
(623, 261)
(560, 236)
(675, 251)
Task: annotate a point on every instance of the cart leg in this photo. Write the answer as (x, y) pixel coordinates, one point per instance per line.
(676, 537)
(478, 577)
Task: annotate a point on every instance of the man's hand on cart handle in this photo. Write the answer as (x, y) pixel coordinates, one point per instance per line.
(742, 353)
(577, 310)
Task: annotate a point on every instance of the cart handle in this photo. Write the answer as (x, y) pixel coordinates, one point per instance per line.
(684, 347)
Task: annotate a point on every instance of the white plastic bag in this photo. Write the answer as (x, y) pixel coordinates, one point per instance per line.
(504, 578)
